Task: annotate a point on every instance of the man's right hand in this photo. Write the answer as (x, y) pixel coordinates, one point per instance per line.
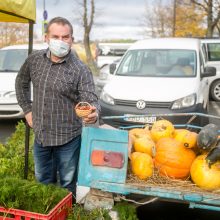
(29, 120)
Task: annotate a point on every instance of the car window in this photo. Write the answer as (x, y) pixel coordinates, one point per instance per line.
(161, 63)
(213, 51)
(12, 60)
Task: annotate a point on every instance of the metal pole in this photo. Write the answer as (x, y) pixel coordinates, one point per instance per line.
(27, 128)
(44, 5)
(43, 19)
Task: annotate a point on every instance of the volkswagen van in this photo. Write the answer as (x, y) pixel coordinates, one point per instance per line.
(158, 76)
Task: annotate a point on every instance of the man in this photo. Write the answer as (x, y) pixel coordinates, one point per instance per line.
(60, 80)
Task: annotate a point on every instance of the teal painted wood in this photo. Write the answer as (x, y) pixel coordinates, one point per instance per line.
(208, 200)
(107, 140)
(201, 206)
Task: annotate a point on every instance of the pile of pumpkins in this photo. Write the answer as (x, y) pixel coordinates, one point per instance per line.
(175, 153)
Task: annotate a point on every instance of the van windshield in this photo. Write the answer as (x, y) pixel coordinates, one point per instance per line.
(12, 60)
(158, 63)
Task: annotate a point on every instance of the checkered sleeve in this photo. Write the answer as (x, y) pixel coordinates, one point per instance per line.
(86, 88)
(22, 87)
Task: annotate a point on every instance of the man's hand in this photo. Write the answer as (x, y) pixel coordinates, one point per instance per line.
(91, 118)
(29, 120)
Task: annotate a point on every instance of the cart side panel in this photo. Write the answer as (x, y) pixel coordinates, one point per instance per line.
(106, 140)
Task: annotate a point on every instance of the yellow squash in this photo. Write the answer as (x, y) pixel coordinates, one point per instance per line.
(141, 165)
(203, 176)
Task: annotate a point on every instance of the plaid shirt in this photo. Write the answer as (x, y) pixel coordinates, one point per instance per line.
(57, 88)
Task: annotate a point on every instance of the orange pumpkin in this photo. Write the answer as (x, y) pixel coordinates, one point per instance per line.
(138, 132)
(173, 159)
(145, 144)
(203, 176)
(161, 129)
(186, 137)
(141, 165)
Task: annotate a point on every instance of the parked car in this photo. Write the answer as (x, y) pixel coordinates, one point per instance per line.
(158, 76)
(111, 52)
(11, 59)
(211, 49)
(79, 49)
(104, 76)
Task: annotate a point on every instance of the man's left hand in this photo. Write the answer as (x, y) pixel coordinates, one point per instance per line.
(91, 118)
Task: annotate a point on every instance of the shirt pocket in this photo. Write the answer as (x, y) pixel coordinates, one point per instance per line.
(66, 85)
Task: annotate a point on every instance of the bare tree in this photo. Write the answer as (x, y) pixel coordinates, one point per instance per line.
(13, 33)
(218, 28)
(158, 19)
(86, 15)
(174, 18)
(212, 10)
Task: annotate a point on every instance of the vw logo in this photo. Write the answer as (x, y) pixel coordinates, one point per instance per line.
(140, 104)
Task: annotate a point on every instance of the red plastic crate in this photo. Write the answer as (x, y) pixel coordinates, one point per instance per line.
(59, 212)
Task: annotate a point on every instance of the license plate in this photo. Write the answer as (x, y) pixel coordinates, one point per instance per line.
(141, 119)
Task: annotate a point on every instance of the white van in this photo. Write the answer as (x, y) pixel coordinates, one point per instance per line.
(211, 50)
(11, 59)
(163, 75)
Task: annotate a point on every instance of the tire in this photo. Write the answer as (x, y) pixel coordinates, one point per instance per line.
(215, 90)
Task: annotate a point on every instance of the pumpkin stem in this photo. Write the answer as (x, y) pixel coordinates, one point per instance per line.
(186, 145)
(147, 127)
(164, 127)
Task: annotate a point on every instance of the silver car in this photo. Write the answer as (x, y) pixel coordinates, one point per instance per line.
(104, 76)
(11, 59)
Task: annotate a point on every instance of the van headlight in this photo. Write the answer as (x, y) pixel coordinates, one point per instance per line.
(184, 102)
(105, 97)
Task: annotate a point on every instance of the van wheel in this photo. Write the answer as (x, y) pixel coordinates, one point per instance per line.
(215, 90)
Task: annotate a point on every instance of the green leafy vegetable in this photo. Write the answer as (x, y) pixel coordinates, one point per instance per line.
(126, 211)
(12, 154)
(29, 195)
(79, 213)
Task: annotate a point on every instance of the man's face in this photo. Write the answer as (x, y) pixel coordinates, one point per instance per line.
(59, 32)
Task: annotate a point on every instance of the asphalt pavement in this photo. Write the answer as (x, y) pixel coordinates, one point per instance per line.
(7, 127)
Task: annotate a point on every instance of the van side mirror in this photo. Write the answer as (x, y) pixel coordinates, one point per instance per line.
(209, 71)
(112, 68)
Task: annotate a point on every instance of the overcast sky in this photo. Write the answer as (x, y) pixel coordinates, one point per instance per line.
(120, 19)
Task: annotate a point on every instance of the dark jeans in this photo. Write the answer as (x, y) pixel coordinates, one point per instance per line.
(58, 159)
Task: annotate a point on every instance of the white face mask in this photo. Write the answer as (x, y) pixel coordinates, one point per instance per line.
(59, 48)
